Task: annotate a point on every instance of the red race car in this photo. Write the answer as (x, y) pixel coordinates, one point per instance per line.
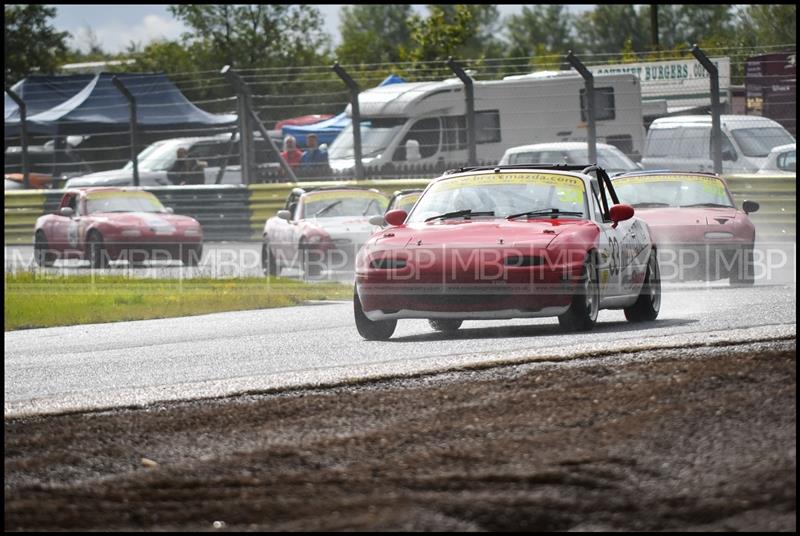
(103, 224)
(504, 242)
(699, 232)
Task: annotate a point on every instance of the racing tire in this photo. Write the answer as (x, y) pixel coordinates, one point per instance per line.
(582, 312)
(371, 330)
(268, 264)
(310, 270)
(95, 251)
(742, 275)
(445, 325)
(191, 256)
(41, 253)
(646, 307)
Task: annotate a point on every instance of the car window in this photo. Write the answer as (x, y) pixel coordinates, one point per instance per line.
(759, 142)
(693, 142)
(788, 161)
(661, 142)
(672, 190)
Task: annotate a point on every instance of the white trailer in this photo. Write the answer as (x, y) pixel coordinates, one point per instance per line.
(424, 122)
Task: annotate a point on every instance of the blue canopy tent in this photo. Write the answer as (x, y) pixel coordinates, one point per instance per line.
(100, 107)
(40, 93)
(327, 130)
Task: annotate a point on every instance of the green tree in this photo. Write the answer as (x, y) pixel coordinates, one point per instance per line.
(32, 44)
(768, 25)
(608, 27)
(542, 27)
(258, 35)
(483, 42)
(374, 33)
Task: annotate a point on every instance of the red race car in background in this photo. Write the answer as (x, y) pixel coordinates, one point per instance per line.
(104, 224)
(699, 232)
(506, 242)
(320, 227)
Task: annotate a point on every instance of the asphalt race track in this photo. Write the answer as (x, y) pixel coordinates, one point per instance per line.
(135, 363)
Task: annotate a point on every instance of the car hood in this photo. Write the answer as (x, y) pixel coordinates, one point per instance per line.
(146, 219)
(686, 216)
(690, 225)
(478, 233)
(344, 225)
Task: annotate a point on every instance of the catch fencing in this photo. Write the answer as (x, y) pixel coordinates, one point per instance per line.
(750, 81)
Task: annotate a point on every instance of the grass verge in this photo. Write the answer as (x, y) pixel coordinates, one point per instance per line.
(36, 300)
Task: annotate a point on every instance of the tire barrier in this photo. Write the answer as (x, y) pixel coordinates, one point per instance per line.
(231, 212)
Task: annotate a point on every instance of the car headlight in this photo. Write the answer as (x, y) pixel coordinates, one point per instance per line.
(315, 239)
(131, 232)
(192, 232)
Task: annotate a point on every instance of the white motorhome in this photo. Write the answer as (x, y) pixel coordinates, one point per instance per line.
(424, 122)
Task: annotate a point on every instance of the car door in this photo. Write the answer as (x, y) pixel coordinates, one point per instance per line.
(607, 247)
(281, 233)
(62, 232)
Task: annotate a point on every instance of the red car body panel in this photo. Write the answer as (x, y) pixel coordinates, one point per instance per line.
(154, 232)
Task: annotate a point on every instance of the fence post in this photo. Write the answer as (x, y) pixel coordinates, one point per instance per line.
(243, 105)
(23, 129)
(133, 121)
(716, 130)
(247, 115)
(356, 117)
(591, 134)
(469, 92)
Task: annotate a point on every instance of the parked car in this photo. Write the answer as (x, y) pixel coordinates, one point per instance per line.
(404, 199)
(608, 157)
(694, 223)
(506, 242)
(683, 143)
(320, 228)
(782, 160)
(158, 163)
(48, 166)
(104, 224)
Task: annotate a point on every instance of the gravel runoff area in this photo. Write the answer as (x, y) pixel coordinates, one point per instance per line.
(691, 439)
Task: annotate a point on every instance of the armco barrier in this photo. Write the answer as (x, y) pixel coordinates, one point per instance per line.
(229, 212)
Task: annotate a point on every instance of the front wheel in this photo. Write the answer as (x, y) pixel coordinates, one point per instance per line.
(190, 256)
(742, 275)
(310, 261)
(268, 264)
(649, 302)
(371, 330)
(96, 252)
(582, 312)
(42, 254)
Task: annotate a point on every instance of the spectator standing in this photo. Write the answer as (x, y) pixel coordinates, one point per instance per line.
(314, 159)
(186, 170)
(291, 153)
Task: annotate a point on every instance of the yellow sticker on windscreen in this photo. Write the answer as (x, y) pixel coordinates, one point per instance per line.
(118, 193)
(349, 194)
(565, 181)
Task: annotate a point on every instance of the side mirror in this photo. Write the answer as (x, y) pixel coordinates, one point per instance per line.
(395, 218)
(67, 212)
(750, 206)
(620, 213)
(170, 210)
(285, 215)
(377, 220)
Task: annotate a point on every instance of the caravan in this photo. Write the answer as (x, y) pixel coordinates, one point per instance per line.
(425, 123)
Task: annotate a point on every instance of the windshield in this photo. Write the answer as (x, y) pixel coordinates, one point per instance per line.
(672, 191)
(760, 141)
(123, 202)
(345, 203)
(157, 157)
(376, 135)
(503, 194)
(405, 202)
(608, 159)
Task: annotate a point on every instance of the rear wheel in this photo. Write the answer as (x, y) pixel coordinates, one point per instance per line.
(95, 251)
(649, 302)
(371, 330)
(582, 312)
(445, 325)
(43, 256)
